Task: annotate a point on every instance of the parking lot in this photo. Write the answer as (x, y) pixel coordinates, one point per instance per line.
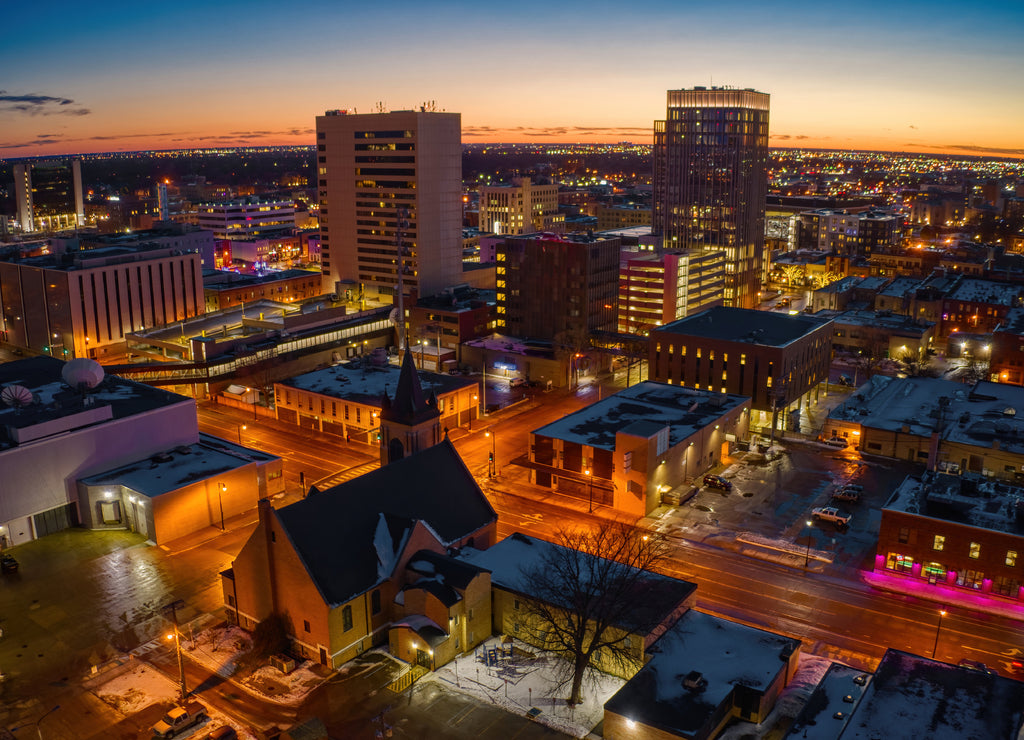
(770, 502)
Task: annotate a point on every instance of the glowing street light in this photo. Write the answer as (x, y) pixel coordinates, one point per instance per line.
(491, 466)
(590, 490)
(807, 555)
(942, 613)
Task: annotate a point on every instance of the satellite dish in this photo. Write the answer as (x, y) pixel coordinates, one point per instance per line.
(16, 396)
(82, 373)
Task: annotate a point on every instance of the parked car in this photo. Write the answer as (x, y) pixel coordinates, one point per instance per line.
(516, 382)
(847, 493)
(717, 481)
(832, 514)
(845, 380)
(222, 733)
(977, 665)
(8, 564)
(178, 719)
(837, 442)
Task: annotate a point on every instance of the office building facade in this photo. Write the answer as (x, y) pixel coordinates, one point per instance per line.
(48, 195)
(656, 288)
(710, 180)
(520, 208)
(377, 172)
(246, 218)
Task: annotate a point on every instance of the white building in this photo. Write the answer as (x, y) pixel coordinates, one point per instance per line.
(520, 208)
(246, 218)
(61, 423)
(378, 170)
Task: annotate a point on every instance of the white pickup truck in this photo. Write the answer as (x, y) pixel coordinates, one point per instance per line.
(832, 514)
(178, 719)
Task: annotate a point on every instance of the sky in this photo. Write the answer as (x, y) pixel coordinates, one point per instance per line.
(902, 75)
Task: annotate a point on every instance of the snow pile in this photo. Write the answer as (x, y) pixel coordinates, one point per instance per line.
(136, 689)
(531, 680)
(218, 648)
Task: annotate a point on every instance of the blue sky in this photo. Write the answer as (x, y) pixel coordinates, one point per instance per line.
(937, 76)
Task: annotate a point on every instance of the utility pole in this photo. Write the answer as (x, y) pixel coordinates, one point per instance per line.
(173, 609)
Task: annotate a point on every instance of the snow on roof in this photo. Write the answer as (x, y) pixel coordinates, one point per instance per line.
(893, 323)
(913, 697)
(730, 324)
(829, 707)
(643, 408)
(900, 286)
(364, 383)
(725, 654)
(986, 291)
(179, 467)
(512, 561)
(968, 499)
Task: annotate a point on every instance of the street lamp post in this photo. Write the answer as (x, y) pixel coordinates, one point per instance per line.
(221, 490)
(938, 628)
(590, 490)
(491, 463)
(173, 609)
(240, 428)
(807, 555)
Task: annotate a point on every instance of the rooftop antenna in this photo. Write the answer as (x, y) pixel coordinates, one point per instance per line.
(401, 223)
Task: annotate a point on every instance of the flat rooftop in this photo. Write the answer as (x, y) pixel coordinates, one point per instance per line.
(53, 399)
(228, 280)
(969, 499)
(643, 409)
(362, 382)
(768, 328)
(174, 469)
(725, 654)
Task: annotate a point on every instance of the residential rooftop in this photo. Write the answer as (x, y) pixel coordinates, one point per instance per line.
(644, 407)
(768, 328)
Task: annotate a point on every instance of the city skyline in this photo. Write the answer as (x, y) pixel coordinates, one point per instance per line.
(909, 76)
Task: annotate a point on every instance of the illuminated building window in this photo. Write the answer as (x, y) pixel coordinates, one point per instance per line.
(939, 543)
(975, 550)
(1011, 557)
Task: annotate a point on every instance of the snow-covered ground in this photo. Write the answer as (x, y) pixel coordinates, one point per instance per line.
(522, 683)
(136, 689)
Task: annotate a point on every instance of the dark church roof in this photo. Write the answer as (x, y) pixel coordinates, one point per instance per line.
(350, 536)
(408, 406)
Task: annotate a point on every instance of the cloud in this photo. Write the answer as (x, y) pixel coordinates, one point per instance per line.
(793, 137)
(913, 127)
(40, 140)
(974, 148)
(39, 105)
(551, 131)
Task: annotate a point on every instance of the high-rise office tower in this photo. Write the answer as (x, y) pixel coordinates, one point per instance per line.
(49, 195)
(375, 171)
(710, 180)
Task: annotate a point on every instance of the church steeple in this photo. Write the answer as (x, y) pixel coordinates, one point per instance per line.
(408, 422)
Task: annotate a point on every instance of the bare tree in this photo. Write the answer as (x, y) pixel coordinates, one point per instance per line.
(590, 592)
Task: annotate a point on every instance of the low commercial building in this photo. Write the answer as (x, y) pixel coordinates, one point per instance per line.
(703, 673)
(661, 600)
(449, 319)
(631, 448)
(79, 447)
(775, 359)
(225, 289)
(534, 360)
(943, 424)
(346, 399)
(952, 531)
(882, 334)
(1006, 361)
(180, 491)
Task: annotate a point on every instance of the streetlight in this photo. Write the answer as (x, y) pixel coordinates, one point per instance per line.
(173, 609)
(942, 613)
(240, 428)
(590, 490)
(490, 459)
(221, 490)
(807, 555)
